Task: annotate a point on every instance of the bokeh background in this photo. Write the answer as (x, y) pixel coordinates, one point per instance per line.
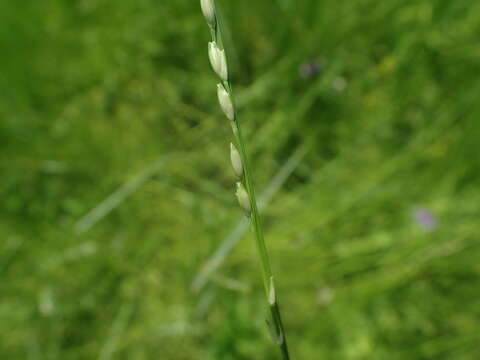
(120, 237)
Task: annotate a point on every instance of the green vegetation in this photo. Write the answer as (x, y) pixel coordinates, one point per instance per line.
(240, 162)
(374, 235)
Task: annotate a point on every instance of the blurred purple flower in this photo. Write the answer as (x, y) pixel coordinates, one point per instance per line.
(425, 219)
(310, 69)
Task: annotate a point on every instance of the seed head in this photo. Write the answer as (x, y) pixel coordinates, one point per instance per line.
(236, 161)
(208, 9)
(225, 102)
(243, 198)
(218, 60)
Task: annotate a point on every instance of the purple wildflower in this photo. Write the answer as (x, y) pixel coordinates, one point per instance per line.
(425, 219)
(310, 69)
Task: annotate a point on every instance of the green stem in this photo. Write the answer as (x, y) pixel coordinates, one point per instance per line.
(255, 216)
(278, 330)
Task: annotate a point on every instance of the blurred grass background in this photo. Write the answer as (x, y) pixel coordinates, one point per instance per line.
(373, 235)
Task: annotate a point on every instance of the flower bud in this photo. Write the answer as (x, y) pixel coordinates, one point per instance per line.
(218, 60)
(243, 198)
(225, 102)
(236, 161)
(208, 9)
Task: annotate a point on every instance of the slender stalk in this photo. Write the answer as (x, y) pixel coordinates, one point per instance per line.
(245, 186)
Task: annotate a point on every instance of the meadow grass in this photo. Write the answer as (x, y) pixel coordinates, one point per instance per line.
(384, 97)
(245, 188)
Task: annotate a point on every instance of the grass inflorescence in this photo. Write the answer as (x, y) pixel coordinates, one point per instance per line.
(245, 190)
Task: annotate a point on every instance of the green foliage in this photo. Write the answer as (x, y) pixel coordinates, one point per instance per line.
(94, 92)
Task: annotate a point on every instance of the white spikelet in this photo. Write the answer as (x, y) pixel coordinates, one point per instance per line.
(236, 160)
(208, 9)
(225, 102)
(272, 297)
(243, 198)
(218, 60)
